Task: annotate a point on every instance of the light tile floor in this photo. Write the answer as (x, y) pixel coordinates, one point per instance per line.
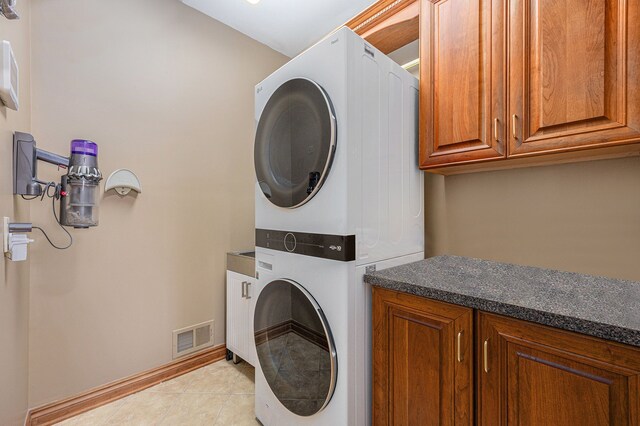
(218, 394)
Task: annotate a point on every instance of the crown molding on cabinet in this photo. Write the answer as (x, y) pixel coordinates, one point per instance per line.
(388, 24)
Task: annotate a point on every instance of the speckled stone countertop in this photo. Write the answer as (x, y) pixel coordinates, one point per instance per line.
(597, 306)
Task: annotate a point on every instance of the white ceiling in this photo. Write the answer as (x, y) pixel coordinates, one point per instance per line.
(288, 26)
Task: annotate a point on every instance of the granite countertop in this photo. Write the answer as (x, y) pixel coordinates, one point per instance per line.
(601, 307)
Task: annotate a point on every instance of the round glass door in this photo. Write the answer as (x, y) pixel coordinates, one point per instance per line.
(295, 347)
(295, 143)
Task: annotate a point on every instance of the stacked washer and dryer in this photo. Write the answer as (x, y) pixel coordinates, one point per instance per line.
(338, 194)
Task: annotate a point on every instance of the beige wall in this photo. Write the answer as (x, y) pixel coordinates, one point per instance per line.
(582, 217)
(14, 276)
(167, 92)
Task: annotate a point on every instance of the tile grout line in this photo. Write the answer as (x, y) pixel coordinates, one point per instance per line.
(215, 422)
(122, 402)
(182, 392)
(169, 409)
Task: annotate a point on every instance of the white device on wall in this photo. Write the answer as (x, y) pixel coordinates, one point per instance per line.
(123, 181)
(15, 239)
(9, 77)
(338, 194)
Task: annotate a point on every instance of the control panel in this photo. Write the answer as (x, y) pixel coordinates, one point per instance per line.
(333, 247)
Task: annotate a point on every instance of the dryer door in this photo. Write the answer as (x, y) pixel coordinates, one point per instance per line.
(295, 348)
(295, 143)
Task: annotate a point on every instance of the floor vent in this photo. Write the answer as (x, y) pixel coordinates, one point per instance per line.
(192, 338)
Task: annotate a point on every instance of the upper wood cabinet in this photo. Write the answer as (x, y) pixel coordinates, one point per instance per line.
(462, 81)
(520, 78)
(535, 375)
(422, 361)
(573, 78)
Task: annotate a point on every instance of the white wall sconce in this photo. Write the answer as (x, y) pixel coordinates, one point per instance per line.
(123, 181)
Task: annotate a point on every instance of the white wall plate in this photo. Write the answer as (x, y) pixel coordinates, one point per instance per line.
(8, 76)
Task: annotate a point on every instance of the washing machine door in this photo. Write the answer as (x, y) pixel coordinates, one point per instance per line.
(295, 348)
(295, 143)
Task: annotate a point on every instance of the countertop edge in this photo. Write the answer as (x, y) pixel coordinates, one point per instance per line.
(590, 328)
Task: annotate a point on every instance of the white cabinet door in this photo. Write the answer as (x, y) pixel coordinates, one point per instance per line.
(234, 306)
(248, 330)
(239, 315)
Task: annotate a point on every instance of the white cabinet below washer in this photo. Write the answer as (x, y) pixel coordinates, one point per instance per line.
(240, 303)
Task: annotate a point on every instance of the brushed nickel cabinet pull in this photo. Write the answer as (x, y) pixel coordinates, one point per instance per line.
(246, 292)
(514, 119)
(486, 356)
(244, 289)
(496, 129)
(460, 346)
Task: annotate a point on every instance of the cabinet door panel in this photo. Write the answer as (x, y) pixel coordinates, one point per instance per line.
(462, 84)
(570, 86)
(457, 45)
(415, 367)
(422, 370)
(571, 387)
(541, 376)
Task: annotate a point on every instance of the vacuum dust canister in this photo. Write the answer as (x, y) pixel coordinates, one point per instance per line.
(80, 186)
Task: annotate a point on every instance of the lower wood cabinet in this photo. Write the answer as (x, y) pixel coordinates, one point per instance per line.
(422, 361)
(535, 375)
(424, 371)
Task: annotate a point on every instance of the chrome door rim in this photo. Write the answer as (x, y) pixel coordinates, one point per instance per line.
(332, 141)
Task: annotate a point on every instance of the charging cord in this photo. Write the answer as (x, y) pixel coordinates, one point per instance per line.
(54, 197)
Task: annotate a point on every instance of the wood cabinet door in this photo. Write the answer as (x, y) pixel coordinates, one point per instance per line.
(574, 77)
(462, 83)
(422, 361)
(531, 375)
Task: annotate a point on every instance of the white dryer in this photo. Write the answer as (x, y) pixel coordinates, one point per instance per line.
(312, 339)
(336, 150)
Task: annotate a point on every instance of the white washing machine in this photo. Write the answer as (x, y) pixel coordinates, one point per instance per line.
(313, 341)
(336, 150)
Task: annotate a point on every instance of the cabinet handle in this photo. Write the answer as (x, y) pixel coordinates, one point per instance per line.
(247, 290)
(460, 345)
(244, 291)
(514, 124)
(496, 129)
(486, 356)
